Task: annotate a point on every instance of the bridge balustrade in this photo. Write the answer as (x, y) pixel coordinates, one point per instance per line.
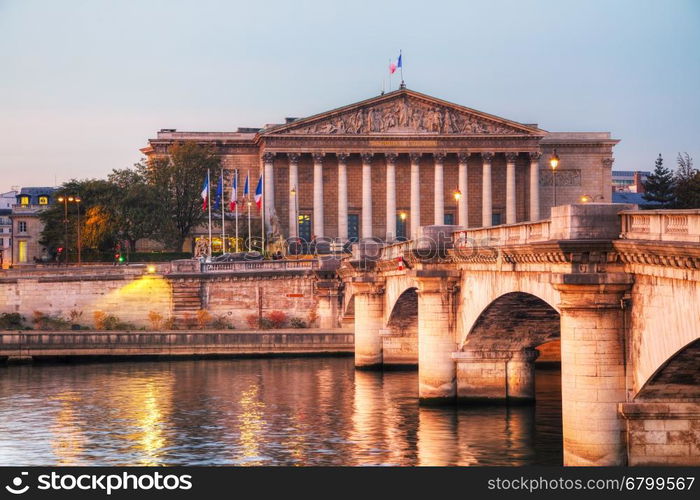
(661, 225)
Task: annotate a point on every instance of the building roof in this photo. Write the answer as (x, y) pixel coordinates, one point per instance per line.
(630, 173)
(635, 198)
(36, 191)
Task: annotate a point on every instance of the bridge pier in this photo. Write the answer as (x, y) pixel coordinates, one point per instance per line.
(369, 309)
(436, 337)
(592, 367)
(496, 376)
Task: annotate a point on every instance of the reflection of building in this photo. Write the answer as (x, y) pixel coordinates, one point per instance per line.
(353, 171)
(27, 226)
(629, 181)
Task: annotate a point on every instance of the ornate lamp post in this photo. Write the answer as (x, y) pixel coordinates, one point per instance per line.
(65, 200)
(554, 163)
(458, 199)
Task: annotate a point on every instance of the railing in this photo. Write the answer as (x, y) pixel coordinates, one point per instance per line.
(395, 250)
(661, 225)
(512, 234)
(261, 265)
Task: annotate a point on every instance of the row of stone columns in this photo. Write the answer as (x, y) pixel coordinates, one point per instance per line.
(415, 219)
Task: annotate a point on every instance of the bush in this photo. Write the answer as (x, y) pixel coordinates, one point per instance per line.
(156, 320)
(189, 321)
(203, 318)
(105, 321)
(297, 323)
(221, 322)
(277, 319)
(265, 323)
(253, 321)
(99, 320)
(11, 321)
(47, 322)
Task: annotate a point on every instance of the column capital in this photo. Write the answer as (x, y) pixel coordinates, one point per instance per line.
(293, 158)
(342, 157)
(592, 290)
(415, 157)
(367, 157)
(446, 282)
(463, 156)
(487, 156)
(439, 157)
(268, 157)
(391, 157)
(369, 287)
(535, 155)
(511, 157)
(318, 157)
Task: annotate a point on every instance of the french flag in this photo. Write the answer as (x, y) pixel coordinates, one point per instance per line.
(205, 192)
(393, 66)
(258, 192)
(234, 193)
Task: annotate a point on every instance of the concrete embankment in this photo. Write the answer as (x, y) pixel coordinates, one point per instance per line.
(17, 346)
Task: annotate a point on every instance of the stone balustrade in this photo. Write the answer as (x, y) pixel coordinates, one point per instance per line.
(261, 265)
(511, 234)
(661, 225)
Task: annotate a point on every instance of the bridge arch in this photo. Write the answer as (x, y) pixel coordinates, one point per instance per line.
(400, 337)
(678, 378)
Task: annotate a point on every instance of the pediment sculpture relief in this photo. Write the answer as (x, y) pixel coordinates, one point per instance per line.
(405, 115)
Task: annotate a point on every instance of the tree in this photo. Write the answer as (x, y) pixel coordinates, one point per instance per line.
(687, 183)
(178, 179)
(134, 206)
(659, 185)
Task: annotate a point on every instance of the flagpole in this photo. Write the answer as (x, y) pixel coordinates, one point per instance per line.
(222, 204)
(236, 200)
(250, 236)
(262, 214)
(209, 206)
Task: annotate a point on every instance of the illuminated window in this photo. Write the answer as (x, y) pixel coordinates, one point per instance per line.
(21, 227)
(43, 200)
(24, 200)
(23, 251)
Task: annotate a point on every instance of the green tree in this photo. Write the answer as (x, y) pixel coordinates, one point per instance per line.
(178, 179)
(659, 185)
(135, 208)
(687, 183)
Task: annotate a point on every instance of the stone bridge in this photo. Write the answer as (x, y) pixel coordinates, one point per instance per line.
(619, 287)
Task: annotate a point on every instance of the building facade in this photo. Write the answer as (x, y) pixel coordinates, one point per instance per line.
(627, 181)
(383, 167)
(27, 226)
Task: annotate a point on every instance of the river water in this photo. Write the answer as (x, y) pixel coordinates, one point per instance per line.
(284, 411)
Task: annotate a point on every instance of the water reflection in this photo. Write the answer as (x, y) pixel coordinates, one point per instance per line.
(258, 412)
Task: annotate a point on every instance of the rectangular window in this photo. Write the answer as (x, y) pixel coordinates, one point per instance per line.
(24, 200)
(43, 200)
(305, 227)
(22, 251)
(401, 226)
(21, 226)
(449, 219)
(495, 219)
(353, 227)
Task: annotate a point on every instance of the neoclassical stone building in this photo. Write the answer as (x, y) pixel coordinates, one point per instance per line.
(384, 166)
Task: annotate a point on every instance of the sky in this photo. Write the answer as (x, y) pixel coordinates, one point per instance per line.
(85, 84)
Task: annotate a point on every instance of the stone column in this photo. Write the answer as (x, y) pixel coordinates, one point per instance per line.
(535, 186)
(592, 367)
(415, 194)
(463, 186)
(486, 192)
(342, 197)
(269, 186)
(510, 187)
(367, 195)
(494, 376)
(390, 196)
(293, 194)
(436, 338)
(318, 195)
(439, 190)
(369, 314)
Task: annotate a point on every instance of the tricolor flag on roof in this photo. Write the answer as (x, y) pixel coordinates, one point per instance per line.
(258, 192)
(393, 66)
(205, 192)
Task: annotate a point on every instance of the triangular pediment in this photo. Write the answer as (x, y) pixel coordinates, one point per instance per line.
(404, 112)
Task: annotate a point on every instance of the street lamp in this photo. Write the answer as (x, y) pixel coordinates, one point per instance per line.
(554, 163)
(458, 199)
(296, 209)
(65, 200)
(77, 200)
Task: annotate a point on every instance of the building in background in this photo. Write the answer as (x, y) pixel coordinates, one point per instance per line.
(385, 166)
(7, 200)
(26, 225)
(628, 181)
